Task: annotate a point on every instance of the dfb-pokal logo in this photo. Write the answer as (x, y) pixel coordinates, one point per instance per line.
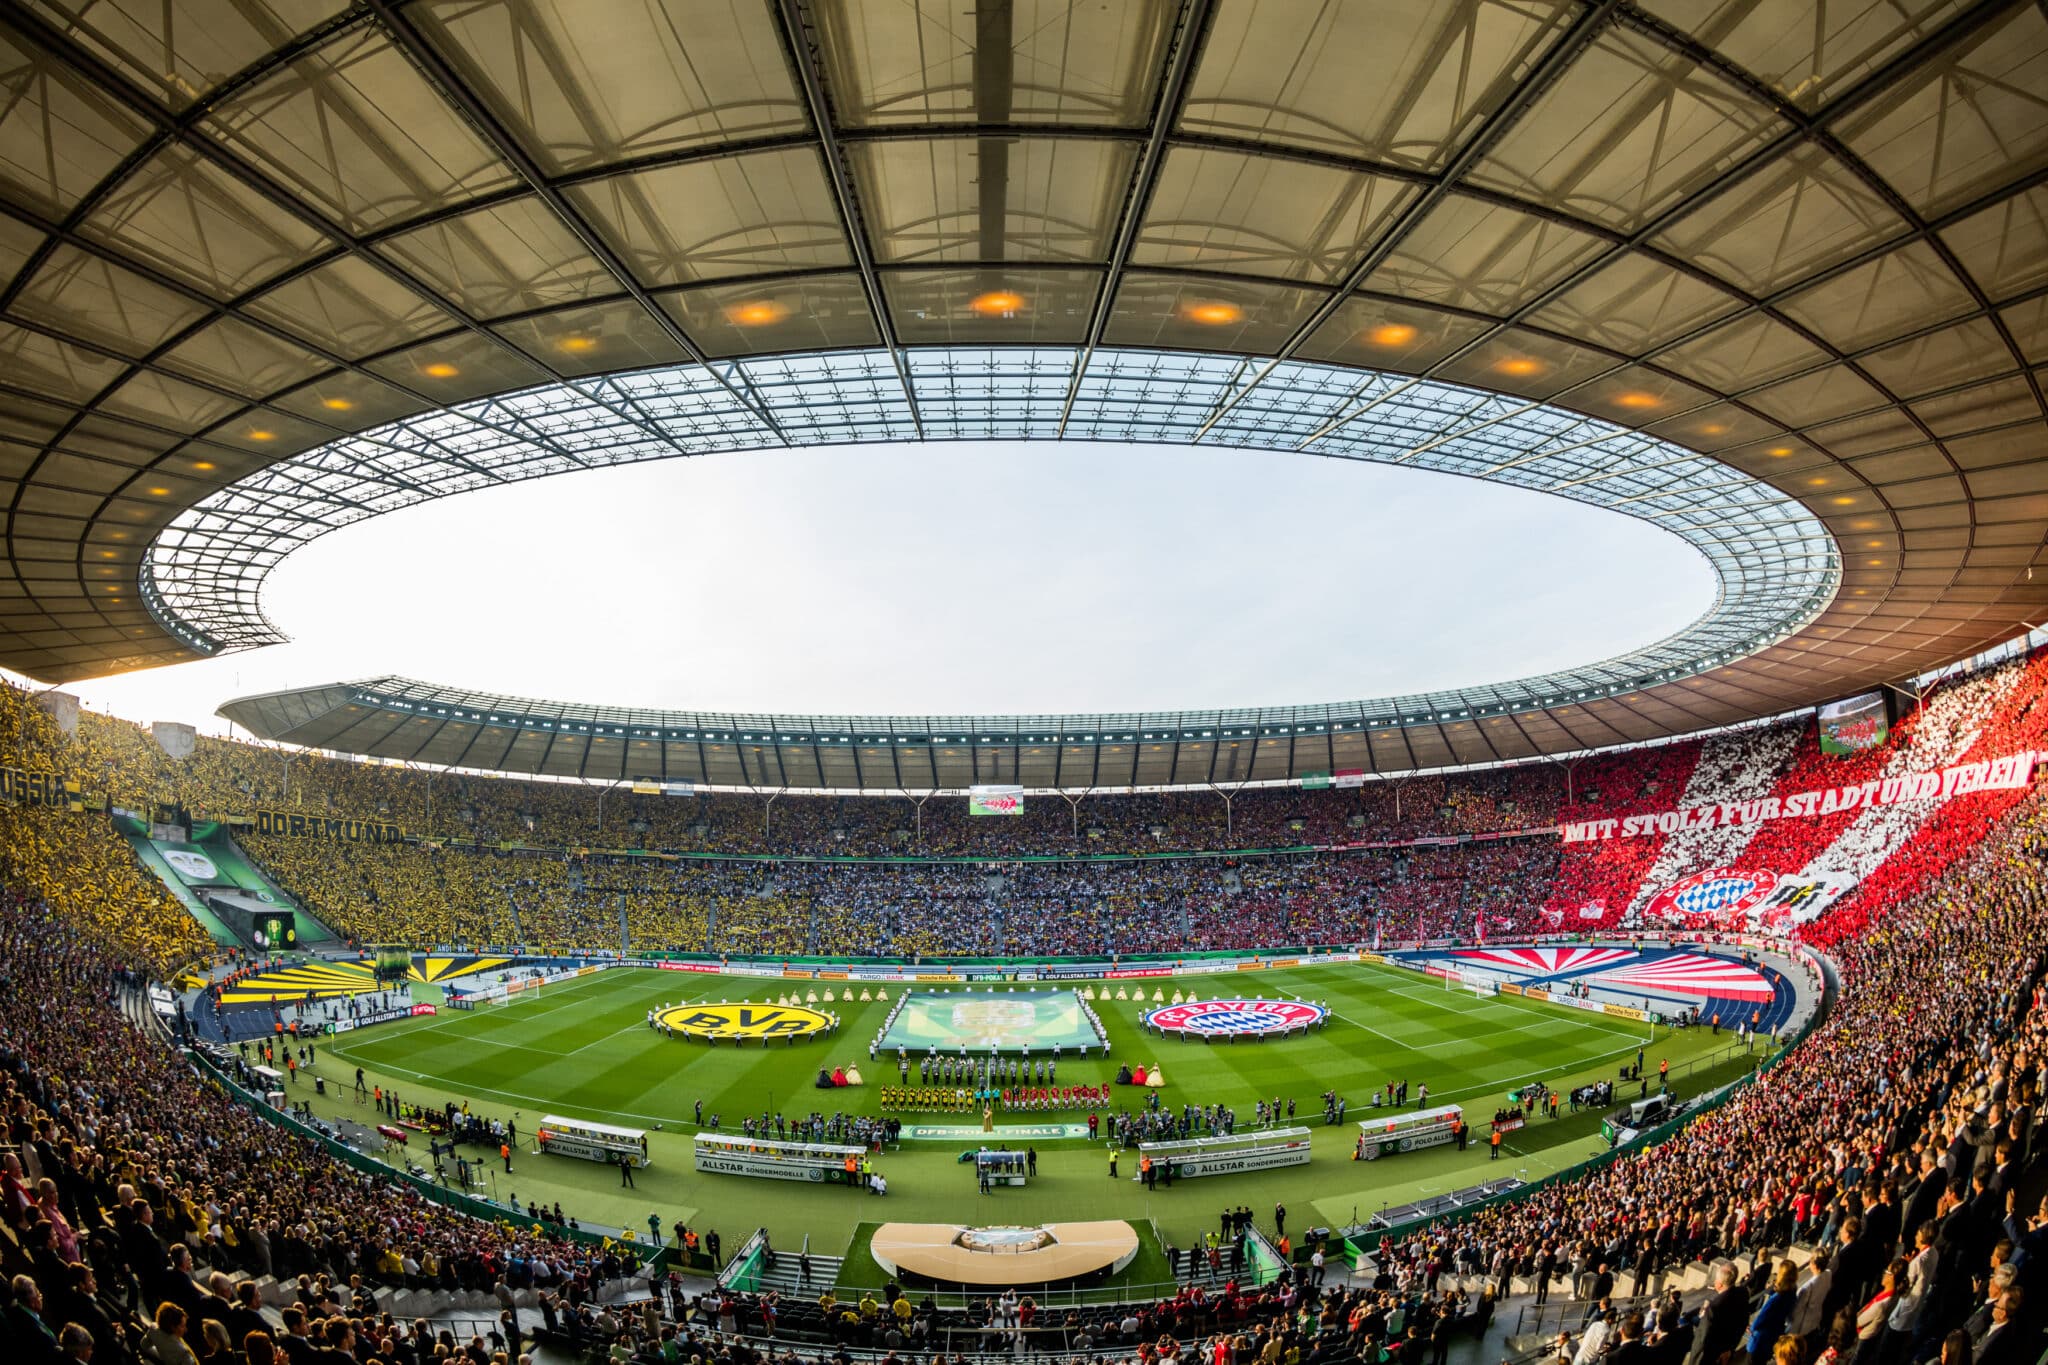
(1235, 1016)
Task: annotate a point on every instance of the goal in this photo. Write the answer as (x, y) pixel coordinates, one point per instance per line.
(1479, 984)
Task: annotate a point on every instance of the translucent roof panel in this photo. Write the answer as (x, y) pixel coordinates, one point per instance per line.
(591, 82)
(503, 259)
(1973, 119)
(1782, 224)
(234, 355)
(813, 311)
(937, 61)
(595, 338)
(704, 220)
(1170, 311)
(179, 49)
(992, 199)
(1901, 291)
(457, 366)
(55, 369)
(1635, 303)
(1222, 210)
(1386, 334)
(1469, 253)
(1024, 307)
(1626, 132)
(1531, 364)
(354, 128)
(2005, 247)
(59, 136)
(1398, 82)
(94, 299)
(187, 218)
(1808, 54)
(352, 306)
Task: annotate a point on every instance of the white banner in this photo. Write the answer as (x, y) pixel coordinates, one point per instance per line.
(760, 1167)
(1986, 774)
(1254, 1159)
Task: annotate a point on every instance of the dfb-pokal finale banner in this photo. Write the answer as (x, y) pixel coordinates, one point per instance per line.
(1985, 774)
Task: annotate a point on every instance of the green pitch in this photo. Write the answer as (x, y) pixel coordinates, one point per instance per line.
(583, 1050)
(981, 1021)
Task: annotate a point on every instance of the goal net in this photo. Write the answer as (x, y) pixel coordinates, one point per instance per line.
(1478, 983)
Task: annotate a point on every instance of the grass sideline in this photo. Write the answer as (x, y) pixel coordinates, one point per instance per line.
(582, 1049)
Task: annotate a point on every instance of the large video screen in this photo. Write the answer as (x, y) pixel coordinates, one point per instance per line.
(989, 800)
(1854, 724)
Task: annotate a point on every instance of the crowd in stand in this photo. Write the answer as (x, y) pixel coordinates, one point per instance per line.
(222, 777)
(455, 885)
(1895, 1138)
(126, 1173)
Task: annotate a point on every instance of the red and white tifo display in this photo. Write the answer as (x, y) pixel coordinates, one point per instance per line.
(1217, 1018)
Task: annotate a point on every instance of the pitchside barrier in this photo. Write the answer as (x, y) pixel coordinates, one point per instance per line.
(1411, 1132)
(1233, 1154)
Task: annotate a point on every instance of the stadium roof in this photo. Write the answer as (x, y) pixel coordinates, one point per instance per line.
(279, 266)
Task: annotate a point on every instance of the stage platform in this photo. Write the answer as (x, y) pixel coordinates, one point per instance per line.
(946, 1254)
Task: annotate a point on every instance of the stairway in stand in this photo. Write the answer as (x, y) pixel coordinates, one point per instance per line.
(786, 1274)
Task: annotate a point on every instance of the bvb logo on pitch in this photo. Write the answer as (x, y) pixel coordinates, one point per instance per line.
(743, 1021)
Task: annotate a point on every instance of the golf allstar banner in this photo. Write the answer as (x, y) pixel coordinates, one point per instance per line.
(2009, 773)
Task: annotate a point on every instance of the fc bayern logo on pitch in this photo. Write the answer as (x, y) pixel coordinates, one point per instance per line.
(1235, 1016)
(1717, 891)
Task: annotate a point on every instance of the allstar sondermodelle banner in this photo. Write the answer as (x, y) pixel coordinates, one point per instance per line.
(1986, 774)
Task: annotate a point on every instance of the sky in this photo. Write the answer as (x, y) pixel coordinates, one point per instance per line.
(954, 578)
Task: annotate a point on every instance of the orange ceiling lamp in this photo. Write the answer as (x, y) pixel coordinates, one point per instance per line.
(439, 369)
(997, 303)
(1636, 398)
(1390, 334)
(756, 313)
(1212, 312)
(1520, 366)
